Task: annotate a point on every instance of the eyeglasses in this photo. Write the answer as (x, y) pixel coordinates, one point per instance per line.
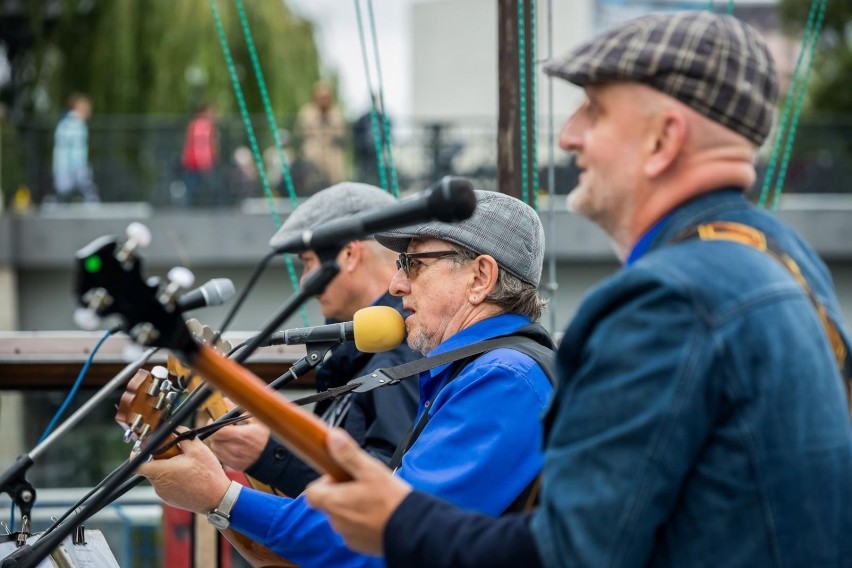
(409, 260)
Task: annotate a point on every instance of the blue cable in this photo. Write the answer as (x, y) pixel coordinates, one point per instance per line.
(64, 407)
(74, 388)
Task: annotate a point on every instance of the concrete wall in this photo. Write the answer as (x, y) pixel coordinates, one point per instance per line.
(456, 61)
(40, 258)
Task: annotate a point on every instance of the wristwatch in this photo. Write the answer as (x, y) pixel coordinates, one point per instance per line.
(220, 517)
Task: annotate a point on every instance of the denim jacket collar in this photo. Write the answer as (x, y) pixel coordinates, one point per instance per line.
(703, 208)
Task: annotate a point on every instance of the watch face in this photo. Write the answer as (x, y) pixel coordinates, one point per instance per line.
(218, 520)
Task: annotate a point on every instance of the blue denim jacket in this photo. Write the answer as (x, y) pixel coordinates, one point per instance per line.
(701, 420)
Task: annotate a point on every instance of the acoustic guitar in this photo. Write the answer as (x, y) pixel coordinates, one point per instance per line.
(147, 402)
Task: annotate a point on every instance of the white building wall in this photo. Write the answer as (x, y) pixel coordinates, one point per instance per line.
(454, 57)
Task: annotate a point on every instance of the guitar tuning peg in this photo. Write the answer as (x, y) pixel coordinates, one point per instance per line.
(139, 234)
(182, 277)
(179, 278)
(87, 319)
(131, 352)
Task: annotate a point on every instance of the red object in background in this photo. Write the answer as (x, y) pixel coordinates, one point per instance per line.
(178, 528)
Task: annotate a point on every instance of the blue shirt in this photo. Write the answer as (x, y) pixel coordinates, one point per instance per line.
(70, 146)
(479, 451)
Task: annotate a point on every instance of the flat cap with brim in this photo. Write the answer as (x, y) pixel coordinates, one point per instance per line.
(338, 201)
(715, 64)
(502, 227)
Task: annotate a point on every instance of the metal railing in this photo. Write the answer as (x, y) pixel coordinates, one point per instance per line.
(137, 158)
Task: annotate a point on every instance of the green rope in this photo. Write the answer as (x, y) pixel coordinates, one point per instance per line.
(388, 141)
(374, 119)
(522, 75)
(712, 8)
(267, 106)
(533, 38)
(788, 104)
(800, 103)
(258, 160)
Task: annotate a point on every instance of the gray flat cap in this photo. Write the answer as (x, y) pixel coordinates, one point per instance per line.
(715, 64)
(502, 227)
(340, 200)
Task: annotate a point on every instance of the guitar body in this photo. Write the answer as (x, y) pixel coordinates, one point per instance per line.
(141, 410)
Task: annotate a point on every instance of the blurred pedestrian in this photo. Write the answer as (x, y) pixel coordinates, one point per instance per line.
(200, 150)
(71, 171)
(322, 129)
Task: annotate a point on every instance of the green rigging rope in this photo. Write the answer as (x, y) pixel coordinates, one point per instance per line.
(267, 105)
(800, 102)
(388, 141)
(522, 75)
(374, 119)
(533, 105)
(788, 104)
(258, 160)
(730, 9)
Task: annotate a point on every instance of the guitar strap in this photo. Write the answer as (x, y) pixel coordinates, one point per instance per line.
(751, 237)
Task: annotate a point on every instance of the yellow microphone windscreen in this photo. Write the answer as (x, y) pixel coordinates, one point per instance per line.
(377, 329)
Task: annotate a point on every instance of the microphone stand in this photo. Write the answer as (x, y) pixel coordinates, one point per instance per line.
(29, 556)
(298, 369)
(14, 481)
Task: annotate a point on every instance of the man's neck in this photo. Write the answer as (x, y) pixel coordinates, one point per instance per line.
(669, 193)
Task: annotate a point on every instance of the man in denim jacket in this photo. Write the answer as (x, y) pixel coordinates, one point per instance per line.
(701, 418)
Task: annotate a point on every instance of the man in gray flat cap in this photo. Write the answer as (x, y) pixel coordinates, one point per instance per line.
(477, 437)
(701, 417)
(378, 419)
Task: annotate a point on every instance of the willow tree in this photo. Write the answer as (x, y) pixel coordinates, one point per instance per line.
(828, 91)
(163, 56)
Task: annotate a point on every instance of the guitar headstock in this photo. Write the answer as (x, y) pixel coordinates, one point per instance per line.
(145, 404)
(150, 397)
(108, 281)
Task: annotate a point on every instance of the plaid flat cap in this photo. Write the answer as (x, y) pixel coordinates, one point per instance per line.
(502, 227)
(338, 201)
(713, 63)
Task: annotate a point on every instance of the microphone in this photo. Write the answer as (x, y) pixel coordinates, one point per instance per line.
(374, 329)
(451, 199)
(214, 293)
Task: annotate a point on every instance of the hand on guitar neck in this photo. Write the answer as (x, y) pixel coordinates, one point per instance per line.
(195, 462)
(239, 446)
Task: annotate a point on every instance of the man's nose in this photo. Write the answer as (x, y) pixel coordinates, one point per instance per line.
(399, 284)
(571, 135)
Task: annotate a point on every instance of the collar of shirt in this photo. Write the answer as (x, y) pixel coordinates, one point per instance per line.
(645, 241)
(495, 326)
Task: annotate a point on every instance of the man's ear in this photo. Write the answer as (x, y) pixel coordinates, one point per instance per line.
(483, 278)
(351, 256)
(668, 133)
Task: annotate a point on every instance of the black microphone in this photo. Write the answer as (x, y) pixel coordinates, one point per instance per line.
(374, 329)
(451, 199)
(214, 293)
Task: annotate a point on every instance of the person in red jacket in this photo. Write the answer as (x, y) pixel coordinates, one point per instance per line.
(200, 151)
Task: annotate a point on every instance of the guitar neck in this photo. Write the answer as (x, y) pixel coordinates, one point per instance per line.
(302, 432)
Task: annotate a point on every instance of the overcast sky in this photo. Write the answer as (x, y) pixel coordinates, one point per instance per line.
(340, 48)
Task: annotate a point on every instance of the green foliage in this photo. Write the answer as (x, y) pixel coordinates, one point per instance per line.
(163, 56)
(828, 90)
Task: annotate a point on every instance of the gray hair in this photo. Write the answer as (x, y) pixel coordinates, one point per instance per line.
(511, 293)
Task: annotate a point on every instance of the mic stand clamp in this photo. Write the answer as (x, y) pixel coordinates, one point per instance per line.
(14, 482)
